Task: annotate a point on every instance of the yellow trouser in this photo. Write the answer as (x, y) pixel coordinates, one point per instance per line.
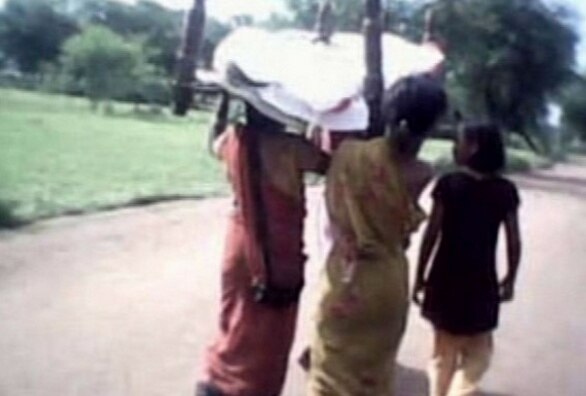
(458, 363)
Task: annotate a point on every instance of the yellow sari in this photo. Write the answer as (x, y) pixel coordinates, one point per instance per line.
(363, 307)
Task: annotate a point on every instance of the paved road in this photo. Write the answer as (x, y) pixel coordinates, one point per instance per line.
(123, 303)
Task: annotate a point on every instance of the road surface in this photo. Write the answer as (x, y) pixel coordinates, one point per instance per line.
(123, 303)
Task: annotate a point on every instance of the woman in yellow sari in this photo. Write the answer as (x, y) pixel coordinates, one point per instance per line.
(370, 191)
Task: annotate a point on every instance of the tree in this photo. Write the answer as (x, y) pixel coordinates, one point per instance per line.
(32, 32)
(106, 65)
(574, 109)
(158, 26)
(507, 58)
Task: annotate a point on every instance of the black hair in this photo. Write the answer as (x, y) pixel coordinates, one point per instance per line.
(417, 100)
(260, 122)
(490, 156)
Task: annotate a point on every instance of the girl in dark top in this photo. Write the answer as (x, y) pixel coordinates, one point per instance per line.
(462, 292)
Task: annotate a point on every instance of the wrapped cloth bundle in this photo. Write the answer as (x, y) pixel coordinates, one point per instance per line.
(290, 77)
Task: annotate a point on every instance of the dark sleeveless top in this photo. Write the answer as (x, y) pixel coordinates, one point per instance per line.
(462, 295)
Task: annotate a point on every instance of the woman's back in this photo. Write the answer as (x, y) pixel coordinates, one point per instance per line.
(474, 208)
(366, 194)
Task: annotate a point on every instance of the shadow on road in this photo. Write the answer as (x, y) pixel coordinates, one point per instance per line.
(411, 382)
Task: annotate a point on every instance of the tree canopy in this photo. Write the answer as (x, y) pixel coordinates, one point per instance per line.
(32, 32)
(507, 58)
(158, 26)
(105, 65)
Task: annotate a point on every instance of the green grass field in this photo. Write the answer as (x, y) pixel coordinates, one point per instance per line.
(59, 157)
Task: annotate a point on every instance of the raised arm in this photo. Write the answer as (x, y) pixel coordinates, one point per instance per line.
(430, 241)
(513, 236)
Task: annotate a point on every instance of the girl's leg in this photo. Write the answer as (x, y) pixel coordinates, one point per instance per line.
(476, 355)
(443, 363)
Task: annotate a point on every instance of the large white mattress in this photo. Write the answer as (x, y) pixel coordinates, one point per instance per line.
(318, 83)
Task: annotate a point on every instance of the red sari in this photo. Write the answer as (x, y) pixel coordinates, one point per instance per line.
(251, 353)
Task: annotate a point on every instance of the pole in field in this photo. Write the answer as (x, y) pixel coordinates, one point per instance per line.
(373, 83)
(187, 57)
(326, 22)
(429, 27)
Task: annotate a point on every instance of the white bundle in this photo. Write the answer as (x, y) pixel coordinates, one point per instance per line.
(317, 83)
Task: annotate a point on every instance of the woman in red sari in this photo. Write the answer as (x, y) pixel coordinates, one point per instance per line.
(262, 274)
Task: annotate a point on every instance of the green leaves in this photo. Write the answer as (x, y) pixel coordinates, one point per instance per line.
(32, 32)
(105, 63)
(508, 57)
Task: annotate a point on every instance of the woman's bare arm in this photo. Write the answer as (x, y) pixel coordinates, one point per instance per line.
(430, 241)
(513, 236)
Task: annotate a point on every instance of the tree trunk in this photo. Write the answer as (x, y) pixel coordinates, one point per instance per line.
(326, 22)
(530, 142)
(373, 84)
(187, 57)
